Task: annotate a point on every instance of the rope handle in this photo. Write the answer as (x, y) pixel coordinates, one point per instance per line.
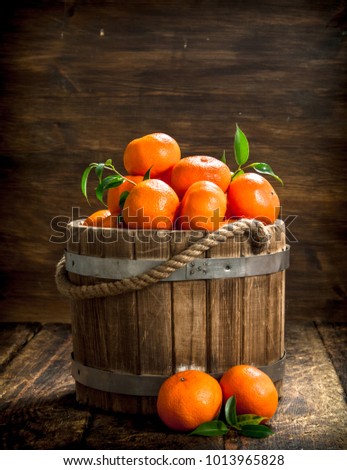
(258, 233)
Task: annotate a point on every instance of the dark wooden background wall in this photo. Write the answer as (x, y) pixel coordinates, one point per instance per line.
(81, 79)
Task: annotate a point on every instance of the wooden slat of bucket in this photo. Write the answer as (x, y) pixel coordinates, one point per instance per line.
(104, 329)
(275, 332)
(79, 242)
(188, 315)
(154, 314)
(121, 321)
(263, 310)
(225, 308)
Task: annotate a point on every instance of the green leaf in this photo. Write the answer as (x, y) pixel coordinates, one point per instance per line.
(236, 174)
(241, 147)
(230, 411)
(99, 169)
(84, 180)
(249, 419)
(108, 162)
(223, 158)
(123, 197)
(265, 169)
(148, 174)
(99, 192)
(258, 431)
(111, 181)
(211, 428)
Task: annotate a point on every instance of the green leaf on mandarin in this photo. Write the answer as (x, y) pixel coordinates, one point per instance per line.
(111, 181)
(241, 147)
(265, 169)
(84, 180)
(211, 428)
(99, 169)
(230, 411)
(249, 419)
(258, 431)
(147, 175)
(237, 173)
(223, 158)
(99, 193)
(122, 198)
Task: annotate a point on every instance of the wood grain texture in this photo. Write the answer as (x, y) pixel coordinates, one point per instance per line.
(37, 399)
(153, 309)
(225, 313)
(13, 338)
(81, 79)
(171, 326)
(189, 315)
(39, 408)
(334, 338)
(312, 408)
(105, 332)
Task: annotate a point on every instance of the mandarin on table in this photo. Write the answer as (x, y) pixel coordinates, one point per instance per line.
(151, 204)
(199, 168)
(254, 391)
(114, 194)
(188, 399)
(251, 196)
(202, 208)
(157, 151)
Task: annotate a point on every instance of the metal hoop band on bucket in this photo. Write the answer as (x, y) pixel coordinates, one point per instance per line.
(145, 385)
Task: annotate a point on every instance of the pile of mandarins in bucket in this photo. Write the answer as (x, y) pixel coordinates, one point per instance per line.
(162, 190)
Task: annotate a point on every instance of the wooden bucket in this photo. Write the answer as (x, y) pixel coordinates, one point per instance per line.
(226, 307)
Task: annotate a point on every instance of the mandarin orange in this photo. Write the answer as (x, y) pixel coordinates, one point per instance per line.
(157, 151)
(254, 391)
(251, 196)
(151, 204)
(202, 208)
(96, 219)
(188, 399)
(199, 168)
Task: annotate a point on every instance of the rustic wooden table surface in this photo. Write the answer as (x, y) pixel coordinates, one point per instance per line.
(39, 410)
(79, 81)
